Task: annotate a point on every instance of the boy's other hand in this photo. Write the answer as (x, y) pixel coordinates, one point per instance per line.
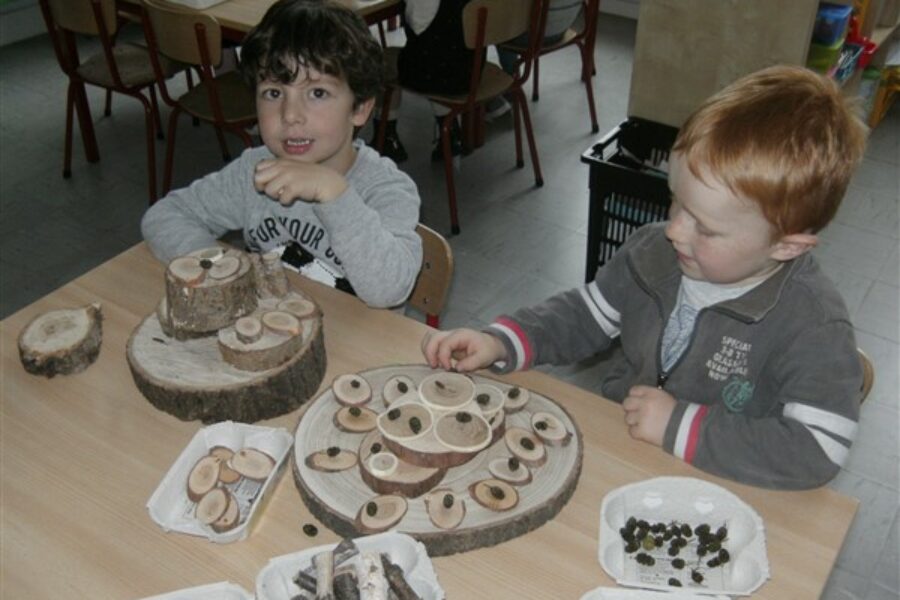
(288, 180)
(647, 413)
(471, 349)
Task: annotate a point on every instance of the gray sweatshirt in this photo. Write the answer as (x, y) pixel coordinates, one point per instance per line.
(767, 390)
(366, 235)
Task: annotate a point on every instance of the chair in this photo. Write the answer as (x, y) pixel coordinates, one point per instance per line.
(583, 37)
(430, 291)
(868, 375)
(122, 68)
(195, 39)
(485, 23)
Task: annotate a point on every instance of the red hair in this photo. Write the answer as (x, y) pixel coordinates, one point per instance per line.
(783, 137)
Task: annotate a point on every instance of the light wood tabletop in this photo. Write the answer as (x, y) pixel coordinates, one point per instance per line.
(82, 454)
(237, 17)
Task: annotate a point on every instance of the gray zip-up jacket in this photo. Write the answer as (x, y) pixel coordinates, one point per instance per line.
(367, 234)
(767, 390)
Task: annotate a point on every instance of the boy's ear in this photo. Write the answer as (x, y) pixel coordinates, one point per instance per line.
(361, 113)
(793, 245)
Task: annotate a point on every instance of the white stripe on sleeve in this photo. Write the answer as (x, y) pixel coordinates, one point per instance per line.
(605, 315)
(515, 341)
(833, 449)
(823, 419)
(684, 430)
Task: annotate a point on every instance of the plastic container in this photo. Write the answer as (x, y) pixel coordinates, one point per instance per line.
(847, 62)
(628, 185)
(824, 58)
(831, 23)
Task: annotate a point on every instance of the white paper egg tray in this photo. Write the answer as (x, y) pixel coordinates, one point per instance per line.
(608, 593)
(691, 501)
(170, 506)
(212, 591)
(275, 581)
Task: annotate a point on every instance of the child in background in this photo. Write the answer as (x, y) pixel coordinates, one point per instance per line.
(434, 60)
(348, 213)
(738, 354)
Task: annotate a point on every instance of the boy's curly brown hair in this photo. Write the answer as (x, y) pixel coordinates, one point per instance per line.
(313, 34)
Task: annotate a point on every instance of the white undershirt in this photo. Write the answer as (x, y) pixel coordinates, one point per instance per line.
(693, 296)
(420, 13)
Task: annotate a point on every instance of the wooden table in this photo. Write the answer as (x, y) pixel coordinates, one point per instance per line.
(82, 454)
(237, 17)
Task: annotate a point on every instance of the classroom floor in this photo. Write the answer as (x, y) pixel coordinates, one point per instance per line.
(518, 243)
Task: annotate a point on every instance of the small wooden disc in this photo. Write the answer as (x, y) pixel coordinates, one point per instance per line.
(281, 322)
(248, 329)
(225, 267)
(188, 270)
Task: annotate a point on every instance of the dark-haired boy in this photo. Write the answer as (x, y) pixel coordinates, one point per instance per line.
(349, 214)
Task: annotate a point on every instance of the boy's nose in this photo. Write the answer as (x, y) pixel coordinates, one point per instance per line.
(293, 113)
(675, 227)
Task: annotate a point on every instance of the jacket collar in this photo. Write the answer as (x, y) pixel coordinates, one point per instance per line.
(655, 265)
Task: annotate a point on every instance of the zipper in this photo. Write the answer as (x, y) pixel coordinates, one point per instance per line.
(663, 376)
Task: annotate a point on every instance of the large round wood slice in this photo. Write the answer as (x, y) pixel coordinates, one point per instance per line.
(337, 498)
(191, 380)
(61, 342)
(209, 289)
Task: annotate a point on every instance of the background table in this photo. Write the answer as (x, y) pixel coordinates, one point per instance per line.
(237, 17)
(82, 454)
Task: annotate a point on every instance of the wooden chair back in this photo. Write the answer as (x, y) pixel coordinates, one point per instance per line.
(177, 34)
(433, 283)
(491, 22)
(78, 16)
(868, 375)
(505, 20)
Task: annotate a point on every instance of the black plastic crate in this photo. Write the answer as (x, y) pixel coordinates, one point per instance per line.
(628, 185)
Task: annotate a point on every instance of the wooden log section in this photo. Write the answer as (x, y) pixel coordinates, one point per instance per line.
(250, 345)
(268, 271)
(337, 498)
(191, 380)
(61, 342)
(209, 289)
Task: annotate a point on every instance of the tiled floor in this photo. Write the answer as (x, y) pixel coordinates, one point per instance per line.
(518, 244)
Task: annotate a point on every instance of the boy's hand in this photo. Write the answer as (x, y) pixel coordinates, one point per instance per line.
(288, 180)
(471, 349)
(647, 413)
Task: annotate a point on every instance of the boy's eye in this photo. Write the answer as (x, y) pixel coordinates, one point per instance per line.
(270, 93)
(318, 93)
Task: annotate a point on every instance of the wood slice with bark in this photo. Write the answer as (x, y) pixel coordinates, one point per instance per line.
(192, 380)
(62, 342)
(209, 289)
(337, 498)
(251, 346)
(271, 279)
